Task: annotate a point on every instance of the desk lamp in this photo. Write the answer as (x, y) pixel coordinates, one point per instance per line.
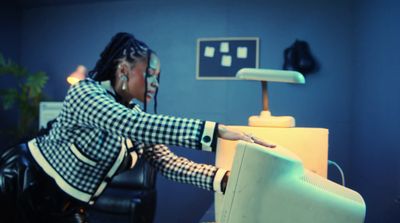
(265, 119)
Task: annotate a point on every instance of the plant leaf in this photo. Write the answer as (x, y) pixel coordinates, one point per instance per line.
(35, 83)
(25, 97)
(1, 60)
(11, 68)
(8, 97)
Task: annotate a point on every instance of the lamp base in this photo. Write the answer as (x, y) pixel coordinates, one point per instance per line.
(265, 119)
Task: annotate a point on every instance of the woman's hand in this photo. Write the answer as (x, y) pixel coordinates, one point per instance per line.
(231, 134)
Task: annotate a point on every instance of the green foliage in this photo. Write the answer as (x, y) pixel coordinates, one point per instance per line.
(25, 95)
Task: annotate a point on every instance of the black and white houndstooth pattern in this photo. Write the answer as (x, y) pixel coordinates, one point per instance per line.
(86, 140)
(180, 169)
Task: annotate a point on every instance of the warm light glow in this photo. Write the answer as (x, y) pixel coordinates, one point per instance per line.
(77, 75)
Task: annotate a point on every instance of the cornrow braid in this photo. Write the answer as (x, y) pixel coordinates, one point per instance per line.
(122, 46)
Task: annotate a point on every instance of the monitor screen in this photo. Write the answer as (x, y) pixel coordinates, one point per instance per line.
(48, 111)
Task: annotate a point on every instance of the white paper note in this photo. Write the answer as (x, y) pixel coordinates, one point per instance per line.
(226, 61)
(209, 51)
(242, 52)
(224, 47)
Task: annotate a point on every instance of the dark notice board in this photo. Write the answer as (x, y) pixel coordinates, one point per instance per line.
(221, 58)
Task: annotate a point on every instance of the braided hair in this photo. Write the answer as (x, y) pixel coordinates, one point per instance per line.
(122, 46)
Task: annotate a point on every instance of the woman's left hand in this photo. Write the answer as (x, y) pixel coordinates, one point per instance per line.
(231, 134)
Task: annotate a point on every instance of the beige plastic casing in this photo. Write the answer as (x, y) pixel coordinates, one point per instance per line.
(309, 144)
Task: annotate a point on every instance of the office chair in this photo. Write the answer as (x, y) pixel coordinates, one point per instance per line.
(130, 197)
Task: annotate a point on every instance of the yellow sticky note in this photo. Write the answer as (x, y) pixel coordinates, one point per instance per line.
(224, 47)
(209, 51)
(226, 61)
(241, 52)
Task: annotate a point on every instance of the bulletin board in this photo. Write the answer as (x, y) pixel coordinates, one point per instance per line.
(221, 58)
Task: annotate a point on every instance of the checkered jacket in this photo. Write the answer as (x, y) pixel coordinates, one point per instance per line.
(88, 143)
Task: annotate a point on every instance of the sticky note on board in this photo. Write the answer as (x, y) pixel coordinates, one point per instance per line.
(209, 51)
(241, 52)
(226, 61)
(224, 47)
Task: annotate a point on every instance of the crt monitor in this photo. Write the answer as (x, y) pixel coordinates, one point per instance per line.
(271, 185)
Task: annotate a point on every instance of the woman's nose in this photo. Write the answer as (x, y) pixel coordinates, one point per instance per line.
(154, 83)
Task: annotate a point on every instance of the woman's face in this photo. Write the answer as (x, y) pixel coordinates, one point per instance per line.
(135, 85)
(152, 76)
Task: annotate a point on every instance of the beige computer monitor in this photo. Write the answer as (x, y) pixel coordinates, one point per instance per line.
(271, 185)
(309, 144)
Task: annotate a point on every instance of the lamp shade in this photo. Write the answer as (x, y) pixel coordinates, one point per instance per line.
(77, 75)
(265, 119)
(271, 75)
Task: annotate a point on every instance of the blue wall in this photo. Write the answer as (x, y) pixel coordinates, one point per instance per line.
(9, 47)
(10, 26)
(375, 152)
(338, 97)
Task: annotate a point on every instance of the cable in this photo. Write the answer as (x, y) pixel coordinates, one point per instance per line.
(340, 170)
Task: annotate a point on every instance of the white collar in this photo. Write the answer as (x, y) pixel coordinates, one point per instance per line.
(107, 86)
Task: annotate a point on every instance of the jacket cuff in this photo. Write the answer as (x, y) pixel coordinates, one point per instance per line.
(218, 179)
(209, 136)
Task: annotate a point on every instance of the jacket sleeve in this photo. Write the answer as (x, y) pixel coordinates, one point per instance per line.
(89, 105)
(183, 170)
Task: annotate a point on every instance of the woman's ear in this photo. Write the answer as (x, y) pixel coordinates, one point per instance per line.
(123, 68)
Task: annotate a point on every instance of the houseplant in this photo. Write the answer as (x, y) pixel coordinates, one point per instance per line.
(24, 96)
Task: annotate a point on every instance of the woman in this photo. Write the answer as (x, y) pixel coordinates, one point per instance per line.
(99, 134)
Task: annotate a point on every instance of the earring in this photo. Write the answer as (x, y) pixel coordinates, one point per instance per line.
(124, 79)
